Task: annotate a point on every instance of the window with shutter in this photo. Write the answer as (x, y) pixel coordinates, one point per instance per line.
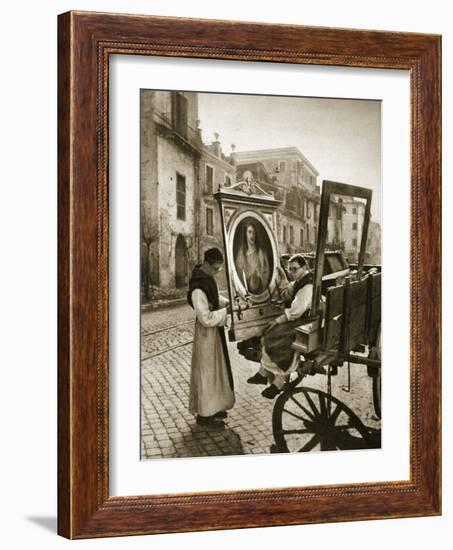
(209, 221)
(209, 179)
(179, 113)
(180, 197)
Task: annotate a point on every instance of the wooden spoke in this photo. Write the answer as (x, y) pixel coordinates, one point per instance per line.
(376, 381)
(322, 405)
(289, 432)
(306, 411)
(335, 414)
(345, 427)
(312, 404)
(310, 445)
(295, 415)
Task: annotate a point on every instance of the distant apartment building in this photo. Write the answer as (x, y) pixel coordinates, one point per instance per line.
(293, 179)
(353, 218)
(171, 149)
(334, 239)
(374, 244)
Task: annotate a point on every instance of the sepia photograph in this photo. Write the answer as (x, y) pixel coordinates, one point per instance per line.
(261, 221)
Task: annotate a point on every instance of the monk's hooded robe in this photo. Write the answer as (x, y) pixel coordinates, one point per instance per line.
(211, 380)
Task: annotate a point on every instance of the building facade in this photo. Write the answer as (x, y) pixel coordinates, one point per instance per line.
(374, 244)
(293, 179)
(171, 149)
(215, 170)
(353, 218)
(335, 240)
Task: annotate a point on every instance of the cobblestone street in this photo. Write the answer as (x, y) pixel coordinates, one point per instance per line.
(169, 430)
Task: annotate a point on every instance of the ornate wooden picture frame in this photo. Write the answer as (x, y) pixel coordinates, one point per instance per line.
(86, 41)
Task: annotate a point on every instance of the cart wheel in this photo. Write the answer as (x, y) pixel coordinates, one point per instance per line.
(376, 379)
(377, 394)
(305, 419)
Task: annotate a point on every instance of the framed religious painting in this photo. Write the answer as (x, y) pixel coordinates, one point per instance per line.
(249, 275)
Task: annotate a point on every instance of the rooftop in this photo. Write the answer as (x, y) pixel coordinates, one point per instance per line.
(276, 153)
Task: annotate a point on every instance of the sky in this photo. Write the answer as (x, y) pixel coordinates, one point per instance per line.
(340, 137)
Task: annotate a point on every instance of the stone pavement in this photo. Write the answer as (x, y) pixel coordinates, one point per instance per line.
(169, 430)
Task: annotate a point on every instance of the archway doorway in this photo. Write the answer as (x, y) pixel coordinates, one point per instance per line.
(181, 262)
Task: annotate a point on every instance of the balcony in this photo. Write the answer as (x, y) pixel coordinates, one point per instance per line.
(183, 134)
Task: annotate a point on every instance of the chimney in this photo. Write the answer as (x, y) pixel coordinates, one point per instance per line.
(216, 147)
(233, 155)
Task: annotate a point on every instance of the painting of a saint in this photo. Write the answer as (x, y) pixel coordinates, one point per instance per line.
(253, 256)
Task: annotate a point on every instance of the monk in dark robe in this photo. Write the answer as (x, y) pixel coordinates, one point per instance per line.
(211, 380)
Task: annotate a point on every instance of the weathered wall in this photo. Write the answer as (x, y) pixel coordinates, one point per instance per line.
(349, 234)
(221, 169)
(149, 179)
(171, 160)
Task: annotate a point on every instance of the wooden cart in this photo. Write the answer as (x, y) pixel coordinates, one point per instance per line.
(344, 327)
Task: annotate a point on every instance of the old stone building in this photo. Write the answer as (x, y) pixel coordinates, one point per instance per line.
(374, 244)
(293, 179)
(171, 148)
(215, 170)
(353, 218)
(335, 239)
(350, 213)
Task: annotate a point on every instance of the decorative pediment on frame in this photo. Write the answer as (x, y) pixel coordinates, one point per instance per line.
(250, 187)
(248, 190)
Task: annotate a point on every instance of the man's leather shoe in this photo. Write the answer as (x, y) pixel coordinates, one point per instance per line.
(210, 422)
(257, 378)
(221, 415)
(270, 392)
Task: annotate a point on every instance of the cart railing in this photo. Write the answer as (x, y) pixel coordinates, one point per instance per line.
(350, 318)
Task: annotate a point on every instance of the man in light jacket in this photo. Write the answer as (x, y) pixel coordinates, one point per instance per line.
(211, 379)
(277, 354)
